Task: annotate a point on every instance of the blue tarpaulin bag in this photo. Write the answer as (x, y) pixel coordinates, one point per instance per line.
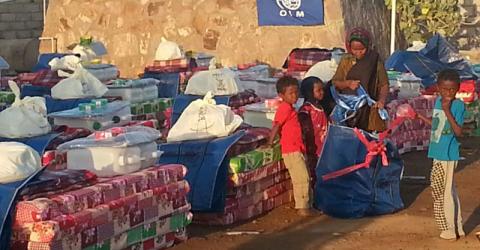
(352, 181)
(8, 197)
(348, 105)
(437, 55)
(169, 84)
(207, 164)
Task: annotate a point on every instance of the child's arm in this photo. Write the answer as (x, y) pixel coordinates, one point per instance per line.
(446, 105)
(273, 134)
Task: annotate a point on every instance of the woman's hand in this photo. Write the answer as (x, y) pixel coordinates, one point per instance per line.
(379, 105)
(353, 84)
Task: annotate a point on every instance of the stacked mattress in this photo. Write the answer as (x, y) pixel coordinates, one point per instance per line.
(258, 182)
(147, 208)
(412, 134)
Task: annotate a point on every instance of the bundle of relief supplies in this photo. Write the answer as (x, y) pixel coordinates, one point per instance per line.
(261, 114)
(80, 84)
(26, 117)
(203, 119)
(134, 91)
(96, 115)
(116, 151)
(218, 81)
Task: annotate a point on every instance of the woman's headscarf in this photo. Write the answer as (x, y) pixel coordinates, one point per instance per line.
(358, 34)
(306, 89)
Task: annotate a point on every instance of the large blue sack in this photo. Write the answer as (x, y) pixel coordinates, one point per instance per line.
(207, 164)
(8, 197)
(348, 105)
(365, 192)
(437, 55)
(169, 85)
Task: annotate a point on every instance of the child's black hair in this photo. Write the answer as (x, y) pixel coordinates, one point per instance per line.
(285, 82)
(306, 87)
(448, 75)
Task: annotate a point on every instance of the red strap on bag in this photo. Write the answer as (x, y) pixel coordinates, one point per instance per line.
(374, 149)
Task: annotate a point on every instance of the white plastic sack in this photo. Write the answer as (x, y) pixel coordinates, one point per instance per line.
(86, 53)
(19, 161)
(65, 63)
(26, 117)
(80, 84)
(204, 119)
(324, 70)
(168, 50)
(217, 81)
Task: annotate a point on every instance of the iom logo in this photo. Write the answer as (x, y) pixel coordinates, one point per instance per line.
(290, 8)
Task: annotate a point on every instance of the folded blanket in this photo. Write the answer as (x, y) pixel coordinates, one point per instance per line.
(231, 204)
(240, 179)
(154, 235)
(54, 182)
(253, 138)
(242, 214)
(257, 186)
(89, 197)
(255, 159)
(122, 214)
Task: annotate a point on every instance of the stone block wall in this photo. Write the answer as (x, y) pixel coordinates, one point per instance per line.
(21, 24)
(21, 19)
(131, 29)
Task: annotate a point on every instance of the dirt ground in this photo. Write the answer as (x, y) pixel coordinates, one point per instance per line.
(411, 228)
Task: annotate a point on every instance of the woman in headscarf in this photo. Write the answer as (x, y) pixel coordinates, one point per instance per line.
(363, 66)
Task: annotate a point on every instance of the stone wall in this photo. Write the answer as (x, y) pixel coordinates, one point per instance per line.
(21, 19)
(131, 29)
(21, 23)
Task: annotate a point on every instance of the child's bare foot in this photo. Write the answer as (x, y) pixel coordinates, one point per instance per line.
(307, 212)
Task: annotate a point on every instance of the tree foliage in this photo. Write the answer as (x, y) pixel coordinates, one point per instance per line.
(419, 19)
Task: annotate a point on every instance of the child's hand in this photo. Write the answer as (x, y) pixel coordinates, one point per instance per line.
(446, 103)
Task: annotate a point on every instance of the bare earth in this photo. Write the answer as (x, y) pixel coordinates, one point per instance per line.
(412, 228)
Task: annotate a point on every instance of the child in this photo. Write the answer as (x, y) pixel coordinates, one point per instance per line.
(286, 122)
(447, 121)
(313, 121)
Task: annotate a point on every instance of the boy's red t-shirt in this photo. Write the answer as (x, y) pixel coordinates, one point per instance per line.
(290, 131)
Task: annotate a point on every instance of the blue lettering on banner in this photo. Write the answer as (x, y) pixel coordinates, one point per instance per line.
(290, 12)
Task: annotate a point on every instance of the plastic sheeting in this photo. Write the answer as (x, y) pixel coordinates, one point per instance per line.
(111, 108)
(437, 55)
(169, 83)
(364, 192)
(114, 137)
(207, 164)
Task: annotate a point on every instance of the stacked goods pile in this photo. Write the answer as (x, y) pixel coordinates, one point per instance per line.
(258, 181)
(469, 95)
(145, 209)
(174, 69)
(412, 134)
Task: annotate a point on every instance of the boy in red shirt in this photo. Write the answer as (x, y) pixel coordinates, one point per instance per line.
(286, 122)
